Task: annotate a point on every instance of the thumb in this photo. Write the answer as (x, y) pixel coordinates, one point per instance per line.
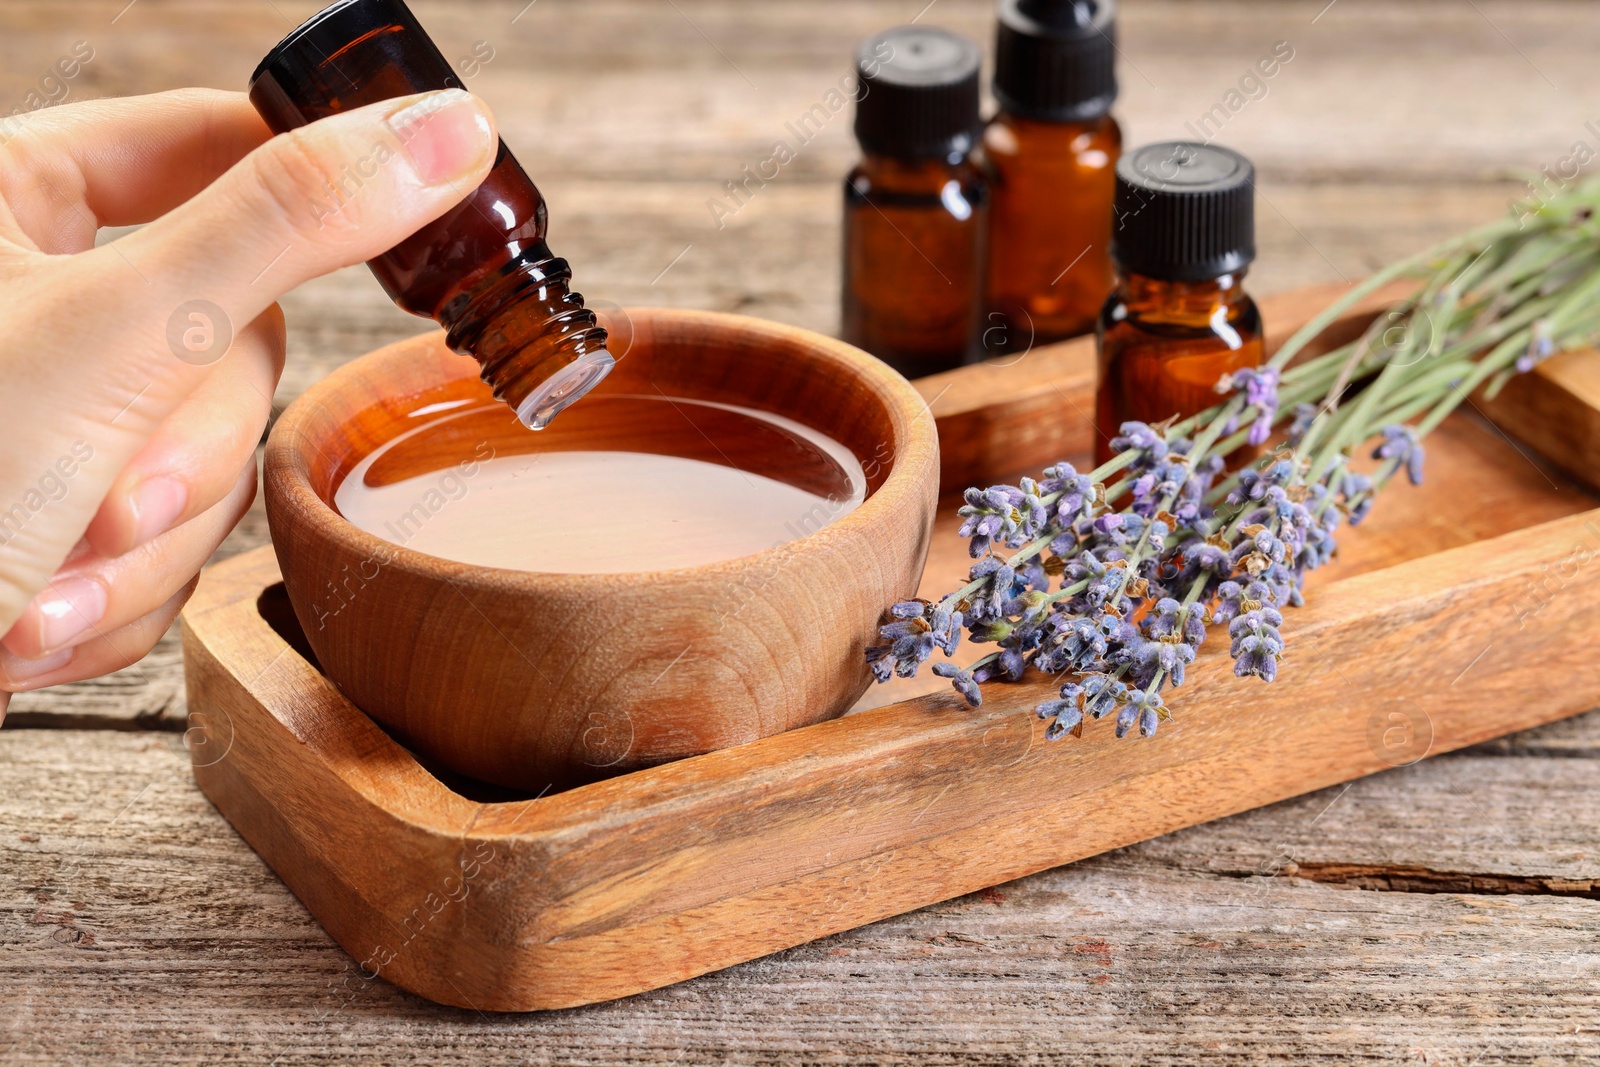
(326, 195)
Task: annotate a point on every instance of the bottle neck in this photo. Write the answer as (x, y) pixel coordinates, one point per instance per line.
(1093, 142)
(526, 327)
(1161, 298)
(1025, 126)
(911, 175)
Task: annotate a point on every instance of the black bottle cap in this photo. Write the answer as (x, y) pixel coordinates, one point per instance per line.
(1056, 59)
(919, 93)
(1184, 212)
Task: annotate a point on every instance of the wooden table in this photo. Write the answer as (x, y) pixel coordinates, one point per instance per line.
(1442, 913)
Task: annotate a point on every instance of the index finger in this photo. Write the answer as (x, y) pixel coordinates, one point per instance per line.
(120, 161)
(329, 194)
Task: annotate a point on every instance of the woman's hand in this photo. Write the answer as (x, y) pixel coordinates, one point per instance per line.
(136, 377)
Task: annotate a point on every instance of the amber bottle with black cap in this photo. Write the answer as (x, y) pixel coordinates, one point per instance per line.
(1052, 150)
(1179, 319)
(915, 206)
(482, 270)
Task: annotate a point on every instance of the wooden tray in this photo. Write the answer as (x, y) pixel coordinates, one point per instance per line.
(1460, 611)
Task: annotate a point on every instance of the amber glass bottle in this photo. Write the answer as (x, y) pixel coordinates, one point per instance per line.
(1052, 150)
(916, 205)
(482, 270)
(1179, 318)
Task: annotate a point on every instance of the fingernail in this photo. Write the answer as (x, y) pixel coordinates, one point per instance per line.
(446, 135)
(156, 504)
(67, 608)
(16, 671)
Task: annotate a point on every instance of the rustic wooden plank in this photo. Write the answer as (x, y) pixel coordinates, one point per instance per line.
(1430, 90)
(161, 938)
(1469, 823)
(605, 890)
(1577, 738)
(1397, 94)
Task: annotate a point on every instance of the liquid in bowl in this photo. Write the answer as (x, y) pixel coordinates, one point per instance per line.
(618, 484)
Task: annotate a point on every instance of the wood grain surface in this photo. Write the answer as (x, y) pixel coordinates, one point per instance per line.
(629, 884)
(139, 928)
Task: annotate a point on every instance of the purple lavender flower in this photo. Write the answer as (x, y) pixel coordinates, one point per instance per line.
(1149, 718)
(1128, 716)
(918, 627)
(962, 681)
(1253, 485)
(1257, 644)
(1356, 491)
(1203, 560)
(1230, 597)
(1162, 657)
(1260, 385)
(1304, 415)
(1111, 527)
(1167, 619)
(1271, 545)
(987, 516)
(1066, 720)
(910, 644)
(879, 660)
(1034, 576)
(1080, 644)
(1102, 693)
(1235, 599)
(1000, 586)
(1104, 579)
(1067, 712)
(1541, 346)
(1143, 706)
(1352, 485)
(1077, 492)
(1278, 529)
(1156, 535)
(1141, 438)
(1316, 548)
(1029, 607)
(1401, 444)
(1013, 655)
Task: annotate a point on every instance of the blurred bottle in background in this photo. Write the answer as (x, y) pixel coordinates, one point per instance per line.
(1052, 151)
(915, 212)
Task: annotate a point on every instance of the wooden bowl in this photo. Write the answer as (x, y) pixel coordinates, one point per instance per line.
(536, 680)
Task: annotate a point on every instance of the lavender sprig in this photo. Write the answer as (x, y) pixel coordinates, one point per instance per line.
(1111, 587)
